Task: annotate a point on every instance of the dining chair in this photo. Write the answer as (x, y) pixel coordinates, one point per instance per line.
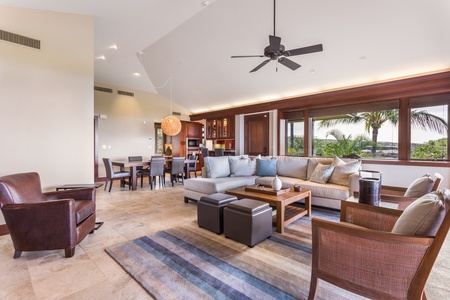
(138, 169)
(176, 169)
(191, 165)
(219, 152)
(205, 153)
(156, 169)
(111, 174)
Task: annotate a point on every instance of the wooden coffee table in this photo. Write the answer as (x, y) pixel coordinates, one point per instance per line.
(286, 213)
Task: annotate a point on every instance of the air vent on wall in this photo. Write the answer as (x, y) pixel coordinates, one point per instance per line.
(125, 93)
(102, 89)
(19, 39)
(175, 113)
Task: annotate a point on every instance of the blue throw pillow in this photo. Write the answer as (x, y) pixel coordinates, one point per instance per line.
(266, 167)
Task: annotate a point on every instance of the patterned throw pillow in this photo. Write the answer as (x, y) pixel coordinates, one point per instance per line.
(322, 173)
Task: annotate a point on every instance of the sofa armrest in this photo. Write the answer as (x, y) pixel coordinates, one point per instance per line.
(353, 183)
(76, 194)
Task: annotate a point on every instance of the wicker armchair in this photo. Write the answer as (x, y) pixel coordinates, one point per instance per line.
(360, 254)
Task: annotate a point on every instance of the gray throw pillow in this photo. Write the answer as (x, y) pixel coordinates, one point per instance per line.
(217, 167)
(242, 167)
(420, 186)
(422, 217)
(322, 173)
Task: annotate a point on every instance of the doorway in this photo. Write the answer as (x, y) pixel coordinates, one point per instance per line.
(256, 134)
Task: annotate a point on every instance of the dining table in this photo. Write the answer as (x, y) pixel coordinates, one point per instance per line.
(132, 165)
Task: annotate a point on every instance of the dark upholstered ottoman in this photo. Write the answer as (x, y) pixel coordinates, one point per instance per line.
(247, 221)
(210, 211)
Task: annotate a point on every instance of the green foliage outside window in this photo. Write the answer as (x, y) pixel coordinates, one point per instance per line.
(342, 145)
(431, 150)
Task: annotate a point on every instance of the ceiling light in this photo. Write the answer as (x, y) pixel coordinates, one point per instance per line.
(362, 58)
(312, 71)
(113, 47)
(205, 3)
(137, 74)
(102, 57)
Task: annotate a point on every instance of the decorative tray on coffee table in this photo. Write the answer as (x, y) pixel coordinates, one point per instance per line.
(259, 188)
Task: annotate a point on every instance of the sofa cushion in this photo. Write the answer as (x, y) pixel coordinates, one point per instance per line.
(329, 190)
(422, 217)
(217, 185)
(266, 167)
(322, 173)
(290, 166)
(343, 170)
(314, 161)
(217, 167)
(420, 186)
(242, 167)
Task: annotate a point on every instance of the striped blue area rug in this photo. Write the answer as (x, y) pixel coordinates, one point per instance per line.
(189, 262)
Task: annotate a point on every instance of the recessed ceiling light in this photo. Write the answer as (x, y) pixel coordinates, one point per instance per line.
(101, 57)
(362, 58)
(205, 3)
(113, 47)
(137, 74)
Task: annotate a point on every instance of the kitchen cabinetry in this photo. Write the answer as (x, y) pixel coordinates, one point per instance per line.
(188, 130)
(221, 128)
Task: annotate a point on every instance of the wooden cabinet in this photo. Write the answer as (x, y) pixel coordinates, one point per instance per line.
(188, 130)
(222, 128)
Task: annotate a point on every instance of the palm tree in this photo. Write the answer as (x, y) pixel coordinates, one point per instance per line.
(344, 145)
(374, 120)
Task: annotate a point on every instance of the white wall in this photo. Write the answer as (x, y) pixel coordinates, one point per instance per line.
(402, 176)
(130, 123)
(47, 98)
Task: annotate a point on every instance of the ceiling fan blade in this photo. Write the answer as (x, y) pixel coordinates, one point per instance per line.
(304, 50)
(260, 65)
(289, 63)
(274, 43)
(241, 56)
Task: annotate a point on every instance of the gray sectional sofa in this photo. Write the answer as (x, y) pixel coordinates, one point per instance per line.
(331, 180)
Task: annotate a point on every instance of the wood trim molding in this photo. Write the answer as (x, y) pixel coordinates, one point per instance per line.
(401, 88)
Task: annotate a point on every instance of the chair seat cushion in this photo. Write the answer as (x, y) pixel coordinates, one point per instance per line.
(83, 209)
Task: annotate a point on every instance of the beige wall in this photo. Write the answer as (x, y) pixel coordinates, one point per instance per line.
(47, 97)
(128, 128)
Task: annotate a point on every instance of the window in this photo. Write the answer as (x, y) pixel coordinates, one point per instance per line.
(295, 143)
(367, 130)
(429, 127)
(159, 139)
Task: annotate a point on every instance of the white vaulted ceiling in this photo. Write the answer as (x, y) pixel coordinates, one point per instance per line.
(364, 41)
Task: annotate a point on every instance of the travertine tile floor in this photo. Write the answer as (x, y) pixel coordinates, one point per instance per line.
(92, 274)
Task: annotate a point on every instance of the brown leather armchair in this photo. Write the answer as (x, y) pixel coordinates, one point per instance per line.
(45, 221)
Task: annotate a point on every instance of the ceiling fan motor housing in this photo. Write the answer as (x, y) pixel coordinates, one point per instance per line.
(274, 54)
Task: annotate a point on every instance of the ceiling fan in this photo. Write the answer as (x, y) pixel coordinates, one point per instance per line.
(276, 51)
